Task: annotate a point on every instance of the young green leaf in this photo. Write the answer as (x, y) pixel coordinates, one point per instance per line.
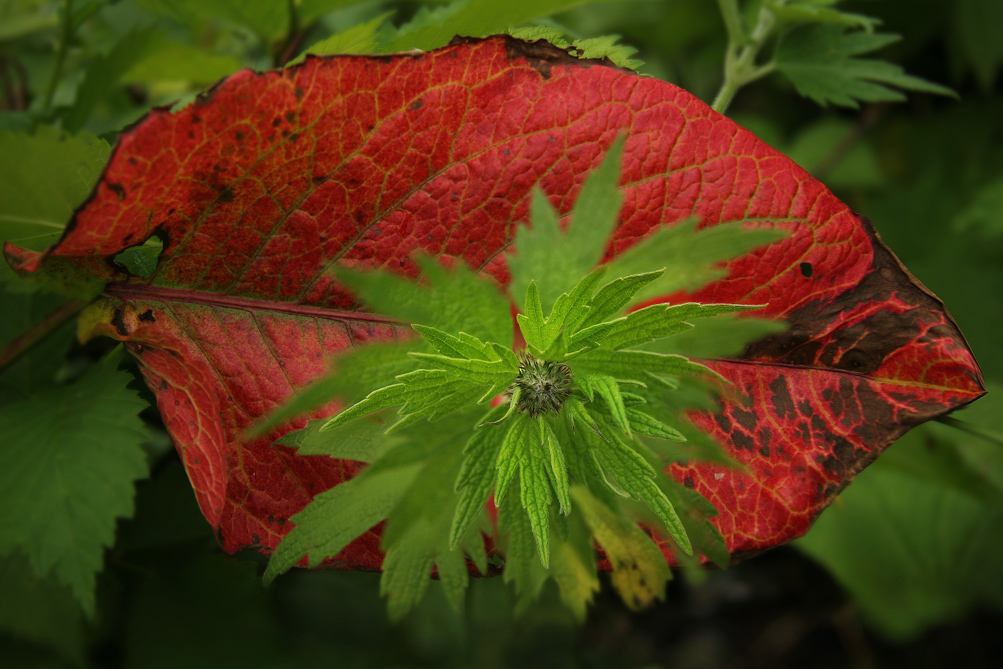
(691, 257)
(607, 388)
(819, 61)
(534, 490)
(635, 365)
(477, 475)
(339, 515)
(69, 461)
(637, 478)
(454, 300)
(613, 297)
(522, 564)
(582, 245)
(359, 440)
(662, 320)
(557, 469)
(461, 346)
(639, 568)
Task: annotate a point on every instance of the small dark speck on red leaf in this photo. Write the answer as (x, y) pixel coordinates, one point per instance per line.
(806, 270)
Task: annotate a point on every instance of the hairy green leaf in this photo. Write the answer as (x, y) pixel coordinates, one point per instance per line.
(67, 468)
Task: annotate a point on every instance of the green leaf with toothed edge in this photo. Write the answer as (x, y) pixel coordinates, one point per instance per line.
(662, 320)
(582, 244)
(455, 300)
(636, 365)
(477, 475)
(636, 477)
(534, 491)
(613, 297)
(606, 387)
(640, 572)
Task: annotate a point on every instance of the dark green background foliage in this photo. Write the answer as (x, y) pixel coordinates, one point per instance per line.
(902, 571)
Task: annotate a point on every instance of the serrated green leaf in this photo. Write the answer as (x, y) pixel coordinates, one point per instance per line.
(534, 492)
(555, 259)
(461, 346)
(635, 365)
(378, 400)
(637, 478)
(406, 570)
(691, 257)
(614, 296)
(339, 515)
(70, 458)
(359, 38)
(663, 320)
(454, 300)
(608, 389)
(510, 454)
(357, 373)
(818, 59)
(359, 440)
(557, 468)
(477, 476)
(484, 372)
(640, 571)
(577, 414)
(642, 423)
(522, 565)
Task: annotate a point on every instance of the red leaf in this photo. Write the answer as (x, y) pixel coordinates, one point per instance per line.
(270, 178)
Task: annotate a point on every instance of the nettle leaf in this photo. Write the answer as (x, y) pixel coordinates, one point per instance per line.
(70, 458)
(272, 179)
(819, 61)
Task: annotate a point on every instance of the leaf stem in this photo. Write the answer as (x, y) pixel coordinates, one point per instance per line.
(740, 66)
(66, 31)
(39, 331)
(975, 430)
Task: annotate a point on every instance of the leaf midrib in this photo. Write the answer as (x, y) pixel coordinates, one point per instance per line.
(181, 295)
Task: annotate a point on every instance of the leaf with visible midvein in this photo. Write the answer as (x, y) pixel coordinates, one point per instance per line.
(461, 346)
(614, 296)
(582, 244)
(662, 320)
(608, 389)
(477, 474)
(535, 494)
(454, 300)
(522, 566)
(67, 467)
(510, 454)
(637, 478)
(339, 515)
(484, 372)
(691, 257)
(557, 468)
(639, 568)
(635, 365)
(359, 440)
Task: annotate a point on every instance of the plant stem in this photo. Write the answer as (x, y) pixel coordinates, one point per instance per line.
(64, 40)
(976, 430)
(740, 56)
(39, 331)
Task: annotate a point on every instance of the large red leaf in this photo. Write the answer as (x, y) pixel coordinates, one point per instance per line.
(271, 178)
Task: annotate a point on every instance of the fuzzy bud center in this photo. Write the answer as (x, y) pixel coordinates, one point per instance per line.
(543, 385)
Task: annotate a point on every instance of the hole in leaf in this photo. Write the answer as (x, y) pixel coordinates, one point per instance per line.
(141, 260)
(806, 270)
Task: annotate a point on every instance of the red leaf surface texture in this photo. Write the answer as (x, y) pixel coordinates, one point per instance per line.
(270, 179)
